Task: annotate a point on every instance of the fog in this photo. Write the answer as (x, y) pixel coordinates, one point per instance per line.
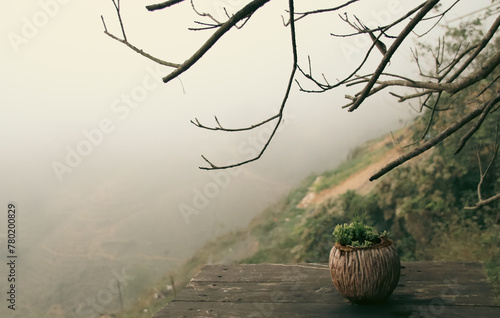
(100, 157)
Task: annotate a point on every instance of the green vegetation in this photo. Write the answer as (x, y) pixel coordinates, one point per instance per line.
(422, 203)
(357, 234)
(359, 158)
(273, 228)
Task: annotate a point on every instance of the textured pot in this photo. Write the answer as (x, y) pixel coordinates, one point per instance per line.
(365, 274)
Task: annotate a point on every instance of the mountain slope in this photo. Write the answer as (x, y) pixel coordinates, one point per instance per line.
(421, 203)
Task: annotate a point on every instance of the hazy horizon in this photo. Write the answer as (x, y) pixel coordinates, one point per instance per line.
(100, 157)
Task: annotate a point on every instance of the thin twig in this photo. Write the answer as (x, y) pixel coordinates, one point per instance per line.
(205, 14)
(325, 87)
(450, 88)
(141, 52)
(482, 203)
(476, 125)
(489, 85)
(131, 46)
(481, 45)
(429, 123)
(482, 175)
(395, 45)
(162, 5)
(117, 7)
(238, 16)
(197, 123)
(305, 14)
(440, 16)
(283, 103)
(104, 24)
(431, 143)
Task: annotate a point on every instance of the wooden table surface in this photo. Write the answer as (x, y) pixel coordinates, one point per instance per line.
(425, 289)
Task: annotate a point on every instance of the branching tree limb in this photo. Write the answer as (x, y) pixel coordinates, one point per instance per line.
(131, 46)
(323, 87)
(301, 15)
(162, 5)
(141, 52)
(434, 141)
(243, 13)
(482, 174)
(392, 49)
(456, 68)
(279, 116)
(450, 88)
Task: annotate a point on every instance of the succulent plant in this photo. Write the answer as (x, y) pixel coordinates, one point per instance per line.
(357, 234)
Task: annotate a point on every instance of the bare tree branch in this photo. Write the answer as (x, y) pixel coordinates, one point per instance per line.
(447, 69)
(141, 52)
(489, 85)
(207, 26)
(324, 87)
(305, 14)
(205, 14)
(482, 203)
(387, 57)
(440, 16)
(474, 128)
(388, 26)
(486, 39)
(219, 127)
(361, 28)
(450, 88)
(431, 119)
(482, 174)
(238, 16)
(447, 75)
(279, 116)
(131, 46)
(162, 5)
(431, 143)
(117, 7)
(327, 86)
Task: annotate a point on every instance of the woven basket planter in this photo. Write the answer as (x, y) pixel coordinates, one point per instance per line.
(365, 274)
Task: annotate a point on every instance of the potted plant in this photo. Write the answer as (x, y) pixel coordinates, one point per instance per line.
(364, 263)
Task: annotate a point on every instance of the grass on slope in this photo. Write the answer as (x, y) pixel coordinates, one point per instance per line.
(359, 158)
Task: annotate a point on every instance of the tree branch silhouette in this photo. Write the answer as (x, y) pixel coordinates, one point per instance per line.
(453, 72)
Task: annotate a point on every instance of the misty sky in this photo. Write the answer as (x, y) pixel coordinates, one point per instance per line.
(89, 134)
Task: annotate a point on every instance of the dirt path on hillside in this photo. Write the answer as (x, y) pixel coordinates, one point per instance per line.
(358, 181)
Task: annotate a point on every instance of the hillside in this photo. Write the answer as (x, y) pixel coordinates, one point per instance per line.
(421, 203)
(271, 232)
(323, 189)
(428, 204)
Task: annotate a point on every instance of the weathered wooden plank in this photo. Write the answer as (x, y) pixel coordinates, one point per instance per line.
(416, 294)
(321, 310)
(411, 271)
(426, 289)
(419, 282)
(280, 292)
(440, 271)
(261, 273)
